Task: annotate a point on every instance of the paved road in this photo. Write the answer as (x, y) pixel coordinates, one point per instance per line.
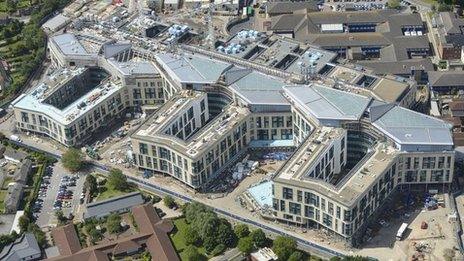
(302, 243)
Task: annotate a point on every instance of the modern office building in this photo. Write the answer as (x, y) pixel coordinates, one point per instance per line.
(353, 152)
(70, 105)
(355, 141)
(66, 50)
(180, 139)
(80, 98)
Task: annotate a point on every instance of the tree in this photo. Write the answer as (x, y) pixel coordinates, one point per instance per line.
(146, 256)
(206, 224)
(155, 199)
(192, 210)
(245, 245)
(38, 233)
(6, 239)
(442, 7)
(11, 5)
(169, 201)
(117, 180)
(394, 4)
(60, 217)
(191, 254)
(283, 247)
(219, 249)
(73, 159)
(225, 234)
(296, 256)
(91, 185)
(191, 236)
(209, 243)
(259, 238)
(241, 230)
(23, 222)
(113, 223)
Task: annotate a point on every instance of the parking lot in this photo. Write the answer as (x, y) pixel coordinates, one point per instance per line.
(60, 190)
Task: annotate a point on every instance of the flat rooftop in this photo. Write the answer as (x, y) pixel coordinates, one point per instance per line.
(134, 66)
(202, 139)
(353, 185)
(318, 141)
(389, 89)
(170, 112)
(35, 100)
(277, 52)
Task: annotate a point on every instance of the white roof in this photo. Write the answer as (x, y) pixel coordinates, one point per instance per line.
(331, 27)
(56, 23)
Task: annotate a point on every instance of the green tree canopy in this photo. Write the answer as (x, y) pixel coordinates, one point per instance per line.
(38, 233)
(296, 256)
(117, 180)
(113, 223)
(91, 185)
(259, 238)
(191, 254)
(191, 236)
(245, 245)
(192, 210)
(219, 249)
(146, 256)
(241, 230)
(73, 159)
(60, 217)
(169, 201)
(283, 247)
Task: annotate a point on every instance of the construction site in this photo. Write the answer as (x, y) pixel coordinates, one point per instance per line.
(431, 232)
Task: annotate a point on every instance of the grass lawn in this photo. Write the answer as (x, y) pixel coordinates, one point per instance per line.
(6, 181)
(107, 192)
(2, 200)
(178, 238)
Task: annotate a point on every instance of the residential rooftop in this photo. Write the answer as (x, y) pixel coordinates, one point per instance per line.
(153, 236)
(23, 248)
(105, 207)
(446, 78)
